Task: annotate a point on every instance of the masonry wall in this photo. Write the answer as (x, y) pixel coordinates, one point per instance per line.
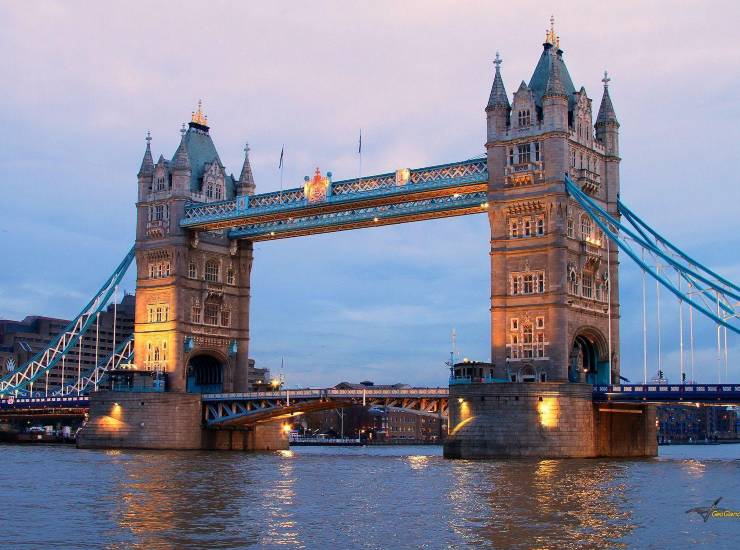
(120, 420)
(143, 421)
(544, 420)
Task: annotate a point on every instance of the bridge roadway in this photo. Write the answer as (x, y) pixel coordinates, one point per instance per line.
(225, 409)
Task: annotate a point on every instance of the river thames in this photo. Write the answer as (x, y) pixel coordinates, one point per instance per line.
(366, 497)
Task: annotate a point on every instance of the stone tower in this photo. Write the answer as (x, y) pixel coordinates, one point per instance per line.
(553, 315)
(192, 289)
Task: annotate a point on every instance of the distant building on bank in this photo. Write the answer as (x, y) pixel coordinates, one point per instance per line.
(686, 423)
(21, 340)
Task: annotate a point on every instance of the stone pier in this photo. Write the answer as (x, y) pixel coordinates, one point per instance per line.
(545, 420)
(153, 420)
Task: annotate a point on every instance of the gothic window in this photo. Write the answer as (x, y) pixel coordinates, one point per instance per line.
(571, 232)
(527, 340)
(514, 229)
(149, 352)
(540, 323)
(212, 271)
(192, 270)
(515, 346)
(195, 314)
(536, 151)
(160, 183)
(586, 285)
(573, 158)
(209, 190)
(225, 318)
(156, 354)
(211, 314)
(218, 192)
(528, 284)
(511, 155)
(587, 228)
(159, 212)
(515, 324)
(540, 226)
(540, 279)
(572, 282)
(523, 153)
(230, 277)
(159, 270)
(527, 228)
(524, 118)
(540, 348)
(516, 284)
(164, 351)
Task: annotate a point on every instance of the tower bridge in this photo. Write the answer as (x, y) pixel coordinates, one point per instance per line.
(549, 184)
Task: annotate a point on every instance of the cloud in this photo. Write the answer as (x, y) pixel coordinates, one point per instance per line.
(84, 81)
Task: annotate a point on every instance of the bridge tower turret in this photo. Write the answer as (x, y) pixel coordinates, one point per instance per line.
(192, 297)
(554, 281)
(550, 299)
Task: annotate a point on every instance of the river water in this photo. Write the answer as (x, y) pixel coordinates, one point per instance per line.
(375, 497)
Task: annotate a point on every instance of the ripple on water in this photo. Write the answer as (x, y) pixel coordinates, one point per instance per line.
(371, 497)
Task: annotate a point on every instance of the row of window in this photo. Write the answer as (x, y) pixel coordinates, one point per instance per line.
(581, 160)
(213, 314)
(588, 287)
(159, 212)
(214, 190)
(212, 272)
(159, 270)
(531, 282)
(527, 340)
(158, 313)
(527, 226)
(524, 152)
(589, 232)
(156, 355)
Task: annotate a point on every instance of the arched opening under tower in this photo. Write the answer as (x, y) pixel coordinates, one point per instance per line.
(205, 374)
(588, 359)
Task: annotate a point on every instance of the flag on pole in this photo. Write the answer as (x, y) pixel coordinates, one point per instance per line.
(282, 150)
(359, 148)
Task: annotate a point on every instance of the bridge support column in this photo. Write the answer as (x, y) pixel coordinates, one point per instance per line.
(543, 419)
(268, 436)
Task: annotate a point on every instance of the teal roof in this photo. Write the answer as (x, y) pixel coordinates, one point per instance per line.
(201, 151)
(538, 82)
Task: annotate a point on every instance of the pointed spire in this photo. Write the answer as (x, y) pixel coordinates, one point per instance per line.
(147, 163)
(182, 159)
(498, 97)
(554, 85)
(606, 110)
(246, 179)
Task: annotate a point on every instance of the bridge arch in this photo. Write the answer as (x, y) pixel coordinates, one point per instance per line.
(207, 372)
(589, 357)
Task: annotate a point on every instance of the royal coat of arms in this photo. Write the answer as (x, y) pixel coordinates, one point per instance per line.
(316, 189)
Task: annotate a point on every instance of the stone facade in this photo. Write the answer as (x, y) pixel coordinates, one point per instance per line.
(553, 313)
(544, 420)
(168, 421)
(193, 289)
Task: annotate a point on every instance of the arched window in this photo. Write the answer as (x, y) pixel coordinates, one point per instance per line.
(212, 271)
(572, 282)
(209, 190)
(587, 228)
(527, 228)
(540, 226)
(514, 228)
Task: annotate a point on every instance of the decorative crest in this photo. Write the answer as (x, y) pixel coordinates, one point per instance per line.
(316, 189)
(198, 117)
(550, 36)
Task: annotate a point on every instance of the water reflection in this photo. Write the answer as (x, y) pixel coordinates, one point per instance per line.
(542, 504)
(182, 500)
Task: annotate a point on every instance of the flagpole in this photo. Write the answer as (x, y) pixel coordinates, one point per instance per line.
(282, 150)
(359, 150)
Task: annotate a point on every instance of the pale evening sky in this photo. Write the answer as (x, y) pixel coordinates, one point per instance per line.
(83, 82)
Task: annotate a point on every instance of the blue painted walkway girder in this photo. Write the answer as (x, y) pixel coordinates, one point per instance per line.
(407, 195)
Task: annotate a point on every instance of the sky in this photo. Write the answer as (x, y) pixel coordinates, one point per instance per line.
(83, 83)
